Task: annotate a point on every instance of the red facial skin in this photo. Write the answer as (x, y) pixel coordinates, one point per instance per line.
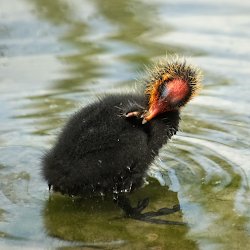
(176, 91)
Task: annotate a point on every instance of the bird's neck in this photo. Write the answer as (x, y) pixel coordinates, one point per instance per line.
(162, 128)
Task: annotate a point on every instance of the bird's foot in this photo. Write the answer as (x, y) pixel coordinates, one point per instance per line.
(149, 216)
(163, 211)
(136, 212)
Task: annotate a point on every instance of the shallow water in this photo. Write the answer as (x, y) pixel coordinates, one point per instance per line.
(57, 56)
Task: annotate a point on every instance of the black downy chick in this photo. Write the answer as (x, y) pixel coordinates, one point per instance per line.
(107, 146)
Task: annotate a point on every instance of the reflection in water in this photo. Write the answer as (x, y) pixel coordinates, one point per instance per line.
(98, 222)
(210, 183)
(89, 32)
(96, 28)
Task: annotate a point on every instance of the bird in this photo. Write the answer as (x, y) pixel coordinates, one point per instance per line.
(107, 147)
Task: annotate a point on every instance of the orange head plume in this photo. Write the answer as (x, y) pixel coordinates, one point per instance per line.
(170, 84)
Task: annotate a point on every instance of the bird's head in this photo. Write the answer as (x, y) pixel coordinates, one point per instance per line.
(170, 85)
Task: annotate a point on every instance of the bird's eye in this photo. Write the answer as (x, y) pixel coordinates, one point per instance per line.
(163, 91)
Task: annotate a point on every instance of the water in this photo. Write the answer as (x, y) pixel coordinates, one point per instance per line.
(56, 56)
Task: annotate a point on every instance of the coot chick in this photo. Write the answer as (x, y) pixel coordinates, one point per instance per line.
(107, 146)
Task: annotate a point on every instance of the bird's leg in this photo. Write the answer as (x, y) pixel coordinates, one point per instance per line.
(124, 203)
